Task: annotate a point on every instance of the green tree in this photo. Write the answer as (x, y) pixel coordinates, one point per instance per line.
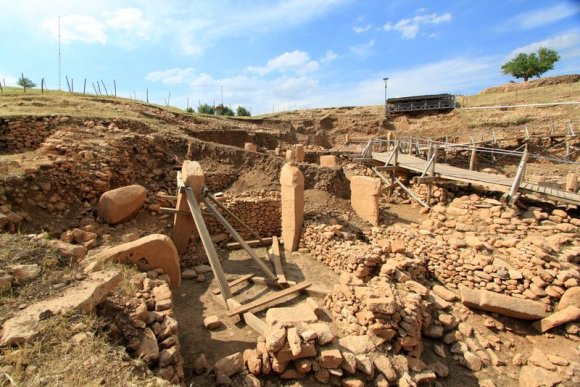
(531, 65)
(206, 109)
(25, 83)
(189, 110)
(242, 112)
(222, 110)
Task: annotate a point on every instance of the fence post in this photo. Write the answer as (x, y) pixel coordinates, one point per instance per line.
(72, 85)
(105, 87)
(147, 95)
(42, 86)
(115, 86)
(67, 83)
(473, 159)
(85, 86)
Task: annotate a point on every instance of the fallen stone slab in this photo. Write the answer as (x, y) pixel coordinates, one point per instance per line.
(356, 344)
(502, 304)
(568, 314)
(290, 316)
(571, 297)
(533, 376)
(121, 204)
(154, 251)
(85, 296)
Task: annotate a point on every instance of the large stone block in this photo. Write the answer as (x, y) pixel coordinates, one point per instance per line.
(364, 197)
(85, 296)
(183, 225)
(250, 147)
(563, 316)
(328, 161)
(292, 187)
(121, 204)
(299, 150)
(502, 304)
(154, 251)
(290, 316)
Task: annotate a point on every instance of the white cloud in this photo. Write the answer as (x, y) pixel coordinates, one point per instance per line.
(541, 16)
(360, 30)
(130, 20)
(296, 61)
(410, 27)
(80, 28)
(329, 57)
(566, 44)
(245, 19)
(362, 49)
(172, 76)
(89, 29)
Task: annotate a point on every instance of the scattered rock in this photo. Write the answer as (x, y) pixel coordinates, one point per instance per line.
(121, 204)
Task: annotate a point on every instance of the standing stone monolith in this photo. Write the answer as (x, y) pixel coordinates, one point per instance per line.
(364, 197)
(328, 161)
(290, 155)
(183, 224)
(299, 153)
(292, 187)
(571, 182)
(250, 147)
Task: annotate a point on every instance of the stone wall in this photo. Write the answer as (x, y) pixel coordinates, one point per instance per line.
(21, 134)
(260, 210)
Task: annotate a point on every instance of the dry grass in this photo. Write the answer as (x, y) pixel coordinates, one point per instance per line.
(56, 358)
(554, 93)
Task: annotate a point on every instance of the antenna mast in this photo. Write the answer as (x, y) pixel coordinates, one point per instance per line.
(59, 53)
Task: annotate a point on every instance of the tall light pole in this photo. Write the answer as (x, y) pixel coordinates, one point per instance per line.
(385, 80)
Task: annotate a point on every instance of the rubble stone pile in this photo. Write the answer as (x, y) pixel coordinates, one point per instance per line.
(157, 343)
(21, 134)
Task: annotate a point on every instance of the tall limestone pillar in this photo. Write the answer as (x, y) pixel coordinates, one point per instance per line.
(183, 224)
(364, 197)
(299, 149)
(292, 187)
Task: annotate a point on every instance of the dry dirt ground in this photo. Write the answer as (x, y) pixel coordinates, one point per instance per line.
(40, 363)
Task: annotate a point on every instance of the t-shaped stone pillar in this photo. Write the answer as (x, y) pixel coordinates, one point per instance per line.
(290, 155)
(250, 147)
(292, 187)
(183, 224)
(364, 197)
(299, 153)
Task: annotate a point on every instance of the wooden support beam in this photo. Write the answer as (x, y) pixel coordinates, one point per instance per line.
(238, 238)
(253, 243)
(362, 159)
(473, 159)
(249, 318)
(230, 213)
(389, 168)
(231, 284)
(276, 259)
(212, 256)
(411, 194)
(312, 289)
(518, 178)
(167, 210)
(269, 298)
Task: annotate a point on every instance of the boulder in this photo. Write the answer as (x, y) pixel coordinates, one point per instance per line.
(155, 251)
(502, 304)
(532, 376)
(290, 316)
(24, 273)
(231, 364)
(85, 296)
(148, 349)
(568, 314)
(121, 204)
(571, 297)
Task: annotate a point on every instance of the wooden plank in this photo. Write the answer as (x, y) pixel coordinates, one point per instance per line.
(237, 237)
(269, 298)
(362, 159)
(208, 246)
(167, 210)
(389, 168)
(312, 289)
(253, 243)
(426, 179)
(276, 258)
(235, 282)
(251, 319)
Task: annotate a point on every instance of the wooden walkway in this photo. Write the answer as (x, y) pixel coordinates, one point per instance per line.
(445, 171)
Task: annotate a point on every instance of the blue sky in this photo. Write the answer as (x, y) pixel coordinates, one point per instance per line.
(281, 54)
